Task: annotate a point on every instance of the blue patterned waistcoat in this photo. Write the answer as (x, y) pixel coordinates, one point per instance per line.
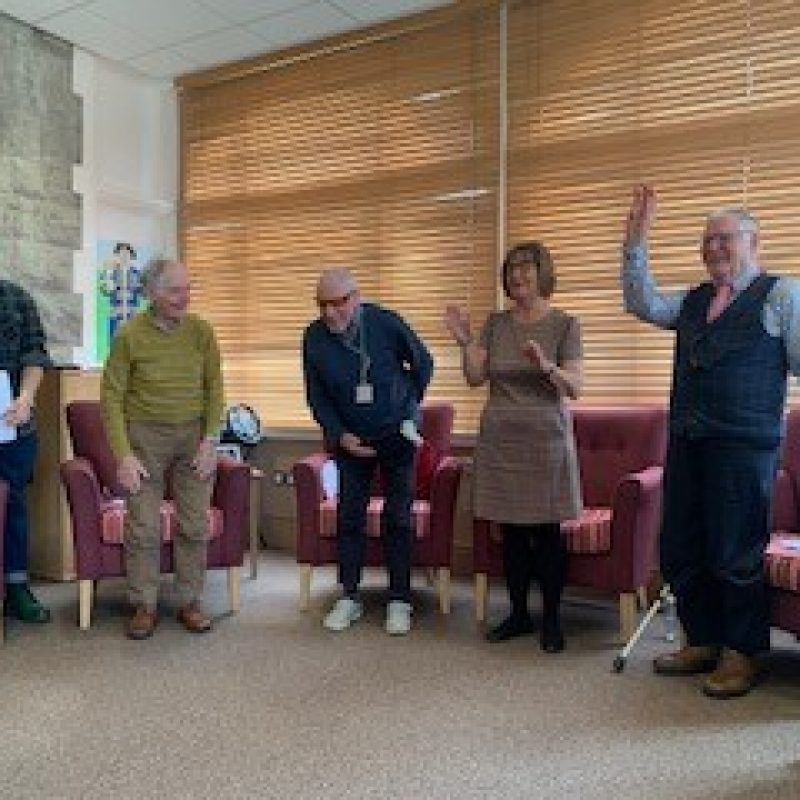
(730, 375)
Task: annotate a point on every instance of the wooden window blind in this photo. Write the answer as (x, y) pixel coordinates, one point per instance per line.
(381, 157)
(384, 154)
(701, 98)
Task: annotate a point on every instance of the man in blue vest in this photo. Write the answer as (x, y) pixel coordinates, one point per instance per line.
(365, 374)
(738, 335)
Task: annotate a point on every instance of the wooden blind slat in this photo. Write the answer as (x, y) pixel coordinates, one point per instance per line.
(348, 158)
(699, 98)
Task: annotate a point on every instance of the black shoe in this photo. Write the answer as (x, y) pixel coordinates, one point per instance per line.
(510, 628)
(552, 639)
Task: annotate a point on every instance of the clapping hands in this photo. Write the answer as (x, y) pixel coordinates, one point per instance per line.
(535, 354)
(456, 319)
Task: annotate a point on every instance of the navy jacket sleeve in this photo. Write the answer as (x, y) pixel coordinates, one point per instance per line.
(418, 357)
(322, 409)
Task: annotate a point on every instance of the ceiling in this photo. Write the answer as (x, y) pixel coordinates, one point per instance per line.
(166, 38)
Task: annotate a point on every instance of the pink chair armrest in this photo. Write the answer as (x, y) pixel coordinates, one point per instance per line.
(784, 503)
(307, 474)
(635, 525)
(444, 493)
(231, 484)
(232, 497)
(85, 500)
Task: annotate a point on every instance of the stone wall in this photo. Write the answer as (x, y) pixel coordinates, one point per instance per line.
(40, 141)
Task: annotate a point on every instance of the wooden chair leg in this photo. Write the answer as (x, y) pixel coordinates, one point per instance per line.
(85, 592)
(481, 596)
(255, 502)
(641, 597)
(234, 588)
(444, 590)
(430, 576)
(627, 615)
(305, 587)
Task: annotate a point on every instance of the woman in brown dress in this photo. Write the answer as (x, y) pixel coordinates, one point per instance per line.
(526, 467)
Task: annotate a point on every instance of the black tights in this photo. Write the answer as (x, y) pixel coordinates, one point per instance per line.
(534, 551)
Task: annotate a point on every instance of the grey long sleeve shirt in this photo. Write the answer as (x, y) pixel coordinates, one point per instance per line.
(642, 298)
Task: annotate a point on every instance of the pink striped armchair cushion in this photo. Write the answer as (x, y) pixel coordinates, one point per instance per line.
(589, 533)
(420, 518)
(782, 562)
(112, 521)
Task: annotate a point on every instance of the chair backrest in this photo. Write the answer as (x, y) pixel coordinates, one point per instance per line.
(790, 450)
(437, 431)
(437, 425)
(615, 441)
(89, 441)
(786, 500)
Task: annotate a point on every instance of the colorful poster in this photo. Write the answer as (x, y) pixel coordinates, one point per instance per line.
(119, 289)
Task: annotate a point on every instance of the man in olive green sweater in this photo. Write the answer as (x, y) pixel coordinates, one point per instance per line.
(162, 402)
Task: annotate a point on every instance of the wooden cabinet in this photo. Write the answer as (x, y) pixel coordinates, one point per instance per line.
(51, 551)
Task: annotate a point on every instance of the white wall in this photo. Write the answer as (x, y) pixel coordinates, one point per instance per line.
(129, 176)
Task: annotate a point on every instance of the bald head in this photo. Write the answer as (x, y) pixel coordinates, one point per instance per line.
(336, 282)
(337, 298)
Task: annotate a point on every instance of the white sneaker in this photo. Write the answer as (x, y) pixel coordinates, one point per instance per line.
(345, 612)
(398, 618)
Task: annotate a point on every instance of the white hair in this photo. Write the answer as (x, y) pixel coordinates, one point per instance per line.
(747, 222)
(153, 270)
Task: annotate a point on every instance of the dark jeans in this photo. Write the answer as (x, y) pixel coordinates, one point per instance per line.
(395, 456)
(16, 467)
(717, 497)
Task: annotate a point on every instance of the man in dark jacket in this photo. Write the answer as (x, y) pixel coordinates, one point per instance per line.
(365, 373)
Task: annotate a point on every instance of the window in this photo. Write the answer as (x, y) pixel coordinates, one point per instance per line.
(700, 99)
(386, 152)
(382, 158)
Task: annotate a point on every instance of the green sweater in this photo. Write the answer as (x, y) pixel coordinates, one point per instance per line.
(153, 375)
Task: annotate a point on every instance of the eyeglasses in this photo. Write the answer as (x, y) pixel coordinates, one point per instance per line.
(723, 238)
(336, 303)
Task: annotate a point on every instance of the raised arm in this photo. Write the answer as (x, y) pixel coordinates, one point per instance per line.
(640, 215)
(473, 356)
(640, 294)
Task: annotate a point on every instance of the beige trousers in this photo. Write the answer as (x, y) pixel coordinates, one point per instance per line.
(166, 449)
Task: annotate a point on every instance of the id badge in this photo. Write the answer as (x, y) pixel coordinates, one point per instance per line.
(364, 394)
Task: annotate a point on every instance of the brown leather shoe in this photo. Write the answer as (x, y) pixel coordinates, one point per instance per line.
(194, 620)
(142, 624)
(688, 660)
(735, 675)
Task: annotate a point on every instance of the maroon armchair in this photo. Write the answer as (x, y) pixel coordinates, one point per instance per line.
(3, 502)
(612, 546)
(97, 511)
(437, 478)
(782, 561)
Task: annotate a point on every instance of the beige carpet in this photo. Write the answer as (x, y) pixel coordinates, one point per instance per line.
(271, 705)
